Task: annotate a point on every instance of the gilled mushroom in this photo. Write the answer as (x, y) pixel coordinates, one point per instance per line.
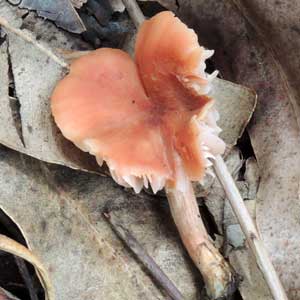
(153, 123)
(177, 181)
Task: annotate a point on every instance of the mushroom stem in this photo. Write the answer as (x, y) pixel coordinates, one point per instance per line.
(217, 274)
(249, 229)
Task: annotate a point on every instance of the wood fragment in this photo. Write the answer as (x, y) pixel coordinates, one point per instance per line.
(134, 12)
(30, 39)
(157, 273)
(249, 229)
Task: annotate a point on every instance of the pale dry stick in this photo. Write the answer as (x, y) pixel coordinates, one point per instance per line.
(134, 12)
(249, 229)
(30, 39)
(15, 248)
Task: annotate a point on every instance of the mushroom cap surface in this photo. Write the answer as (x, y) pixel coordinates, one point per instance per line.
(141, 116)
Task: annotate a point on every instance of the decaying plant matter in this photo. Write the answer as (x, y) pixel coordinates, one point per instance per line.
(183, 170)
(153, 123)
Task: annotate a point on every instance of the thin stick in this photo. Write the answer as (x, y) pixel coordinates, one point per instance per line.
(134, 12)
(249, 230)
(145, 258)
(30, 39)
(15, 248)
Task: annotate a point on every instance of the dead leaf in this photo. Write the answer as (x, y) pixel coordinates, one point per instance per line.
(215, 196)
(169, 4)
(84, 258)
(243, 57)
(117, 5)
(253, 284)
(61, 12)
(252, 176)
(78, 3)
(33, 84)
(235, 105)
(277, 23)
(6, 116)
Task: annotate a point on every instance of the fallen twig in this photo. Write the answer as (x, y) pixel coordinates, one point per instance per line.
(249, 230)
(134, 12)
(157, 273)
(31, 39)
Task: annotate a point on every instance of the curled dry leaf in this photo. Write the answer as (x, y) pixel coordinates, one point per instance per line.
(5, 295)
(15, 248)
(117, 5)
(78, 3)
(33, 84)
(61, 12)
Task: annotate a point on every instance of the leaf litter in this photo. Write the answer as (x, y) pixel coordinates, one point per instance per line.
(44, 142)
(251, 53)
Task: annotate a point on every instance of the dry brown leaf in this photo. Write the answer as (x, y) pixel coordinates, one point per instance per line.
(235, 105)
(84, 258)
(277, 22)
(61, 12)
(117, 5)
(253, 286)
(243, 57)
(33, 85)
(78, 3)
(169, 4)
